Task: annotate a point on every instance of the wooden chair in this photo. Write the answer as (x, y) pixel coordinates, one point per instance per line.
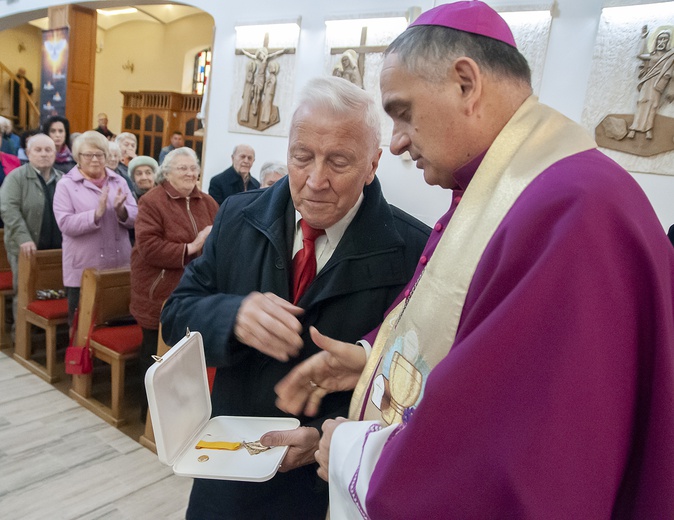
(43, 270)
(104, 298)
(6, 293)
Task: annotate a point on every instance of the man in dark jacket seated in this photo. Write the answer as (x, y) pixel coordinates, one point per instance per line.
(237, 177)
(254, 309)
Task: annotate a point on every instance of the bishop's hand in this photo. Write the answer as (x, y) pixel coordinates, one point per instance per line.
(337, 368)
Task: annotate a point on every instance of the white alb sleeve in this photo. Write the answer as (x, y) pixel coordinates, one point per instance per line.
(366, 347)
(354, 451)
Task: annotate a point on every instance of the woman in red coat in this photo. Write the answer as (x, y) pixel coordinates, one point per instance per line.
(174, 219)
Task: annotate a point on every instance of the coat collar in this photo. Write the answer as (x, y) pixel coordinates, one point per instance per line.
(233, 176)
(32, 173)
(76, 175)
(363, 236)
(372, 229)
(173, 193)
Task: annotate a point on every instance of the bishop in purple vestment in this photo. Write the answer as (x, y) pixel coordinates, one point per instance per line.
(527, 371)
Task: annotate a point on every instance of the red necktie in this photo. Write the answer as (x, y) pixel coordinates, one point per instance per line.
(304, 263)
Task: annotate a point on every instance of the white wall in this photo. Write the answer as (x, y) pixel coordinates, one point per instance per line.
(403, 184)
(159, 66)
(563, 85)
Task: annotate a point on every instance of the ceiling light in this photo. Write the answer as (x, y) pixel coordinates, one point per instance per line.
(112, 12)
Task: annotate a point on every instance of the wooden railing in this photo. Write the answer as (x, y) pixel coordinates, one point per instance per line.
(29, 114)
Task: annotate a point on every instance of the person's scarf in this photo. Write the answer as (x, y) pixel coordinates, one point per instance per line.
(64, 155)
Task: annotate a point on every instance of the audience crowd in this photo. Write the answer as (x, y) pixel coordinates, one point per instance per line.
(80, 192)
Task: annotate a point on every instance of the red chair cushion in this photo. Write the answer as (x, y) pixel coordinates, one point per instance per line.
(5, 280)
(123, 340)
(50, 309)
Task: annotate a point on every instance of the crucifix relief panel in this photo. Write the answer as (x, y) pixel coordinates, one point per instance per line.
(263, 82)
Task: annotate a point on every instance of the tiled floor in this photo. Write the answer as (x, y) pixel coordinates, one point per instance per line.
(60, 461)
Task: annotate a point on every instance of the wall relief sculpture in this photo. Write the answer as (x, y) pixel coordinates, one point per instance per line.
(347, 68)
(257, 109)
(646, 132)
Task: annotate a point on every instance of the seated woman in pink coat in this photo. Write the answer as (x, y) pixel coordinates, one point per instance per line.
(94, 210)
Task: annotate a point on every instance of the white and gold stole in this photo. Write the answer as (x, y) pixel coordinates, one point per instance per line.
(420, 331)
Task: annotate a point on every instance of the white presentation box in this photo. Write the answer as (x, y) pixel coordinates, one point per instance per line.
(180, 407)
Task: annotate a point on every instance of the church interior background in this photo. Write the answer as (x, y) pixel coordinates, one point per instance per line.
(583, 57)
(162, 66)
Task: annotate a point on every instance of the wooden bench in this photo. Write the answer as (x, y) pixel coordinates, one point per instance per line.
(6, 293)
(104, 298)
(42, 271)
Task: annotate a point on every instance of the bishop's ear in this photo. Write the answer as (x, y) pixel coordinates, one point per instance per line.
(469, 78)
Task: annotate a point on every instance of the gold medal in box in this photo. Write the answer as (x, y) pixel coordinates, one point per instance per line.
(192, 442)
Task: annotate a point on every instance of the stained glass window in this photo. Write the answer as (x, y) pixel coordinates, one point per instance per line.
(202, 69)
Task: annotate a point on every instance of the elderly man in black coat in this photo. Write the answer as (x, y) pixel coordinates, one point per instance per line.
(237, 177)
(238, 294)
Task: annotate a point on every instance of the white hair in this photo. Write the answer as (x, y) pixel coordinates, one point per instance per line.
(167, 165)
(5, 125)
(114, 148)
(126, 135)
(272, 167)
(91, 138)
(344, 99)
(30, 139)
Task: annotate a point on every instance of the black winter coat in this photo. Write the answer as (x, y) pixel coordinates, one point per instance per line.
(228, 183)
(249, 250)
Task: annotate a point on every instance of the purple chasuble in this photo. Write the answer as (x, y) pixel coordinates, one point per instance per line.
(557, 398)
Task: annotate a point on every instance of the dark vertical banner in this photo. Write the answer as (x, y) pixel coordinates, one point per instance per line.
(54, 72)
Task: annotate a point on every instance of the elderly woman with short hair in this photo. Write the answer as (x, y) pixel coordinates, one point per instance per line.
(143, 170)
(128, 144)
(94, 209)
(114, 155)
(173, 222)
(271, 172)
(113, 161)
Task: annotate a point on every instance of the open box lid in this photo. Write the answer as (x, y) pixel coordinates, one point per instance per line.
(178, 397)
(180, 407)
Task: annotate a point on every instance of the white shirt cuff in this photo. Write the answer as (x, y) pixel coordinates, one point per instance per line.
(366, 347)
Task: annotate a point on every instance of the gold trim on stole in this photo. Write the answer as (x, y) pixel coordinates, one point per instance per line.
(534, 139)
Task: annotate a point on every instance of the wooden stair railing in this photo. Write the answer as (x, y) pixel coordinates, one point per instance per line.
(29, 113)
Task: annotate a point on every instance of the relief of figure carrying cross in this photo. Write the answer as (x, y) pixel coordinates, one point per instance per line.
(646, 132)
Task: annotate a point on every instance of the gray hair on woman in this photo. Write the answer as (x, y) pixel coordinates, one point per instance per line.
(113, 148)
(167, 165)
(91, 138)
(344, 99)
(272, 167)
(126, 135)
(5, 125)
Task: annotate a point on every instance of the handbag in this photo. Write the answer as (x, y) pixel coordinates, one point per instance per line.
(79, 359)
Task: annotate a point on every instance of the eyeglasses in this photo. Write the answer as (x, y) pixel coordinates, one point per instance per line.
(89, 156)
(185, 169)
